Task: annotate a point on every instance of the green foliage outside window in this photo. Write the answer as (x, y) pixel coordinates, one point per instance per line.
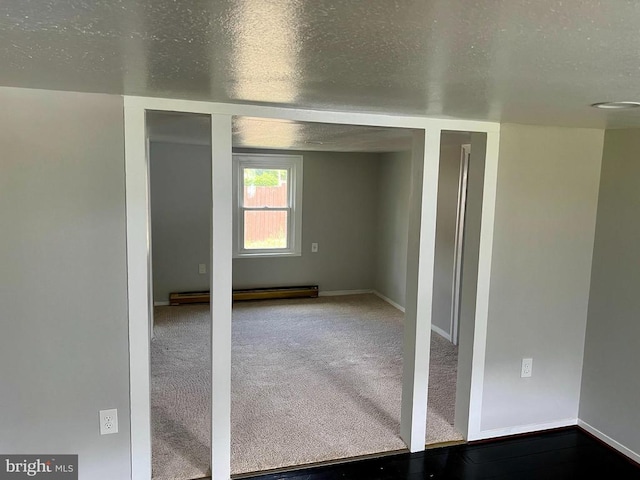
(254, 177)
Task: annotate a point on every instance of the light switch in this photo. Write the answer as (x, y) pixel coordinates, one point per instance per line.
(314, 248)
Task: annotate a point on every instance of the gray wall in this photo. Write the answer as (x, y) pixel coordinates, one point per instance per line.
(64, 347)
(63, 291)
(393, 218)
(355, 205)
(180, 217)
(394, 184)
(610, 381)
(338, 213)
(543, 241)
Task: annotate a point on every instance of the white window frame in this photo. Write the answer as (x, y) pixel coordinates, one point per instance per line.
(293, 165)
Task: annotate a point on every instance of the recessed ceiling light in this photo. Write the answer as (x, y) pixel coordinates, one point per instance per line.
(615, 105)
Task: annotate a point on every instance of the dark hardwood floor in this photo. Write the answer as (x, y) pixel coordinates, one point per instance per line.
(560, 454)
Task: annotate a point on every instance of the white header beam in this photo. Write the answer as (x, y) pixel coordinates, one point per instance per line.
(305, 115)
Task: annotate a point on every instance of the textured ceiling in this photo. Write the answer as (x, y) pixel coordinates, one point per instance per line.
(535, 61)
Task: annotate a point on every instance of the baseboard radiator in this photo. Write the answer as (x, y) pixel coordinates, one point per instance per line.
(305, 291)
(187, 298)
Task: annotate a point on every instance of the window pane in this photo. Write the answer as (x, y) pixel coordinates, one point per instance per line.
(265, 229)
(265, 187)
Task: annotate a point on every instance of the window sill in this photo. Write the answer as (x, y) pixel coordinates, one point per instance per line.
(267, 255)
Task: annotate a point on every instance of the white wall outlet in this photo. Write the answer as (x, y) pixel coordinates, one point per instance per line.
(202, 268)
(527, 367)
(314, 248)
(108, 421)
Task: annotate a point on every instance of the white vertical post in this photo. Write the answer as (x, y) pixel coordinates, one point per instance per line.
(137, 211)
(220, 275)
(485, 252)
(420, 263)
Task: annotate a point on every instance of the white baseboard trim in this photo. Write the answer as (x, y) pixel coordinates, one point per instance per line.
(388, 300)
(436, 329)
(161, 304)
(337, 293)
(536, 427)
(441, 332)
(610, 441)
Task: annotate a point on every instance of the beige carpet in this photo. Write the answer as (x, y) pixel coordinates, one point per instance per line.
(312, 380)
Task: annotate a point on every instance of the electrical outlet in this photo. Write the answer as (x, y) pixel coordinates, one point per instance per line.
(527, 367)
(202, 268)
(108, 421)
(314, 248)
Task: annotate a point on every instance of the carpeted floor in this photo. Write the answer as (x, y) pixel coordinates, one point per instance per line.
(312, 380)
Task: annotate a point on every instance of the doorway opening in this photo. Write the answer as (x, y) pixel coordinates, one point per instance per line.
(179, 151)
(459, 209)
(325, 373)
(138, 221)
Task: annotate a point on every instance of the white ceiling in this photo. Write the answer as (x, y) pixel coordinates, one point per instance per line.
(537, 61)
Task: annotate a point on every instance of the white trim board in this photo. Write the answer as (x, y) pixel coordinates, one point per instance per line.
(434, 328)
(627, 452)
(338, 293)
(519, 429)
(441, 332)
(138, 289)
(388, 300)
(220, 280)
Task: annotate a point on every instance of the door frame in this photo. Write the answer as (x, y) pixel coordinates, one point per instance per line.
(461, 206)
(420, 262)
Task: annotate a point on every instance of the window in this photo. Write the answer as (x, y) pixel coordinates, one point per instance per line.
(268, 198)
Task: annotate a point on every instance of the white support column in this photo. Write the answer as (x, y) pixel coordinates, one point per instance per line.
(220, 271)
(484, 283)
(420, 263)
(137, 210)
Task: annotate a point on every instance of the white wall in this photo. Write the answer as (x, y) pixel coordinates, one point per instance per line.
(610, 381)
(545, 215)
(180, 217)
(63, 281)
